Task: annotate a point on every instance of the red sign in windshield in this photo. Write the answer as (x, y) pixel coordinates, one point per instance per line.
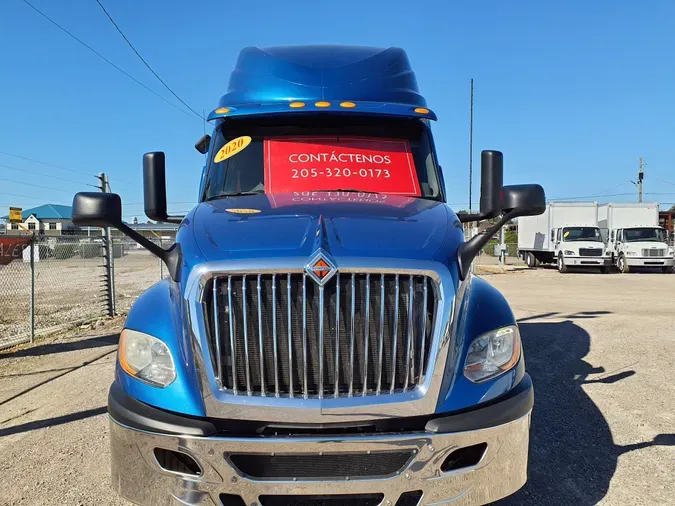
(300, 164)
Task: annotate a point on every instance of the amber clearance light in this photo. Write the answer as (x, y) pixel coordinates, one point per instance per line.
(296, 105)
(347, 105)
(422, 110)
(322, 104)
(222, 110)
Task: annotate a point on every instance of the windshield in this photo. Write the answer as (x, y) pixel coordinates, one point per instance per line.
(321, 154)
(644, 234)
(581, 234)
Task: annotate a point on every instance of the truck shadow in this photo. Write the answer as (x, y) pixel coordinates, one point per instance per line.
(572, 454)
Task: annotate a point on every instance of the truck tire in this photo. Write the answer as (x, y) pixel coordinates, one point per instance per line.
(530, 260)
(562, 268)
(622, 265)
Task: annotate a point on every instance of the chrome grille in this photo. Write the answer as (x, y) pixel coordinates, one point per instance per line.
(283, 335)
(655, 252)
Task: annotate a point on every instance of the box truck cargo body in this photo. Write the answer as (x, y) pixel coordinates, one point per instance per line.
(567, 234)
(635, 237)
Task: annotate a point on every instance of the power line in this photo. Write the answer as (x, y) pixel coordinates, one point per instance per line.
(30, 197)
(35, 185)
(145, 62)
(663, 181)
(45, 163)
(44, 175)
(101, 56)
(61, 167)
(591, 196)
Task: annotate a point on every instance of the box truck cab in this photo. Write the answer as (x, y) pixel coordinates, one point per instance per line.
(578, 245)
(566, 234)
(635, 238)
(321, 338)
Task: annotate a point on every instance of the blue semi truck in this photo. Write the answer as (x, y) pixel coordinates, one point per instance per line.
(321, 339)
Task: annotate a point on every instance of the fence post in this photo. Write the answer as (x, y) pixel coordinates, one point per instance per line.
(32, 289)
(161, 263)
(107, 277)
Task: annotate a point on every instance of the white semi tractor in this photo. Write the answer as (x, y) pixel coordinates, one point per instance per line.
(566, 234)
(635, 238)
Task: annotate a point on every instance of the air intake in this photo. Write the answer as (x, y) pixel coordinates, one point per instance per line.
(177, 462)
(464, 457)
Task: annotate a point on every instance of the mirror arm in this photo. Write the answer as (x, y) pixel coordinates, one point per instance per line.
(174, 219)
(468, 218)
(468, 250)
(171, 257)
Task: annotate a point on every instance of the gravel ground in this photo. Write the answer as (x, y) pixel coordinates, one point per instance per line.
(599, 348)
(68, 291)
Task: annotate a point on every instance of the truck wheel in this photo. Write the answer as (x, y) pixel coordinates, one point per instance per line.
(622, 265)
(562, 268)
(668, 270)
(530, 260)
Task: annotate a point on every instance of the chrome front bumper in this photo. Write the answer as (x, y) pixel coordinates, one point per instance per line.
(137, 475)
(650, 261)
(575, 261)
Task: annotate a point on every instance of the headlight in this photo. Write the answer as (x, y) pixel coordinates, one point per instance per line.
(670, 252)
(493, 354)
(631, 253)
(568, 252)
(146, 358)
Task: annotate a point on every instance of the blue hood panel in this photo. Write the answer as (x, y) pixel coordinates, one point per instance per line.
(346, 225)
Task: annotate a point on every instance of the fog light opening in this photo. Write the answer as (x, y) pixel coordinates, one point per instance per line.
(177, 462)
(462, 458)
(410, 498)
(231, 500)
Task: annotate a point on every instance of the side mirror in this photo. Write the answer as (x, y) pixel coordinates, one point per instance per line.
(154, 188)
(510, 201)
(154, 185)
(105, 210)
(97, 209)
(522, 200)
(491, 182)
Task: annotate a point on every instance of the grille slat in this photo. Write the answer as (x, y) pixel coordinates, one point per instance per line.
(274, 334)
(655, 252)
(394, 338)
(244, 312)
(352, 338)
(424, 330)
(216, 327)
(359, 334)
(336, 382)
(590, 252)
(290, 334)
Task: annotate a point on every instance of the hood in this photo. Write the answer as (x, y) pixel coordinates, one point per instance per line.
(342, 223)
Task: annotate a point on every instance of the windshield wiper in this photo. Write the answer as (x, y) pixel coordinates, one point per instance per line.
(237, 194)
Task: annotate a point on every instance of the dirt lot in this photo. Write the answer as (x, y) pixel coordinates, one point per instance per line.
(599, 348)
(68, 291)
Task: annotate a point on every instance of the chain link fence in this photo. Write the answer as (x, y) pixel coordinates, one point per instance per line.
(50, 283)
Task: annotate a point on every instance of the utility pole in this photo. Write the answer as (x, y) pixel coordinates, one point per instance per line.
(470, 146)
(109, 279)
(640, 178)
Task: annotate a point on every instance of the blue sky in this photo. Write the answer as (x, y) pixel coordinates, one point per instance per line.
(572, 92)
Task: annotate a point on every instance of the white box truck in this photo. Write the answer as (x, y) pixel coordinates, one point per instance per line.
(635, 238)
(566, 234)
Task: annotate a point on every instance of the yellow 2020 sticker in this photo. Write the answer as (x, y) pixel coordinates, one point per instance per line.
(243, 211)
(566, 234)
(232, 148)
